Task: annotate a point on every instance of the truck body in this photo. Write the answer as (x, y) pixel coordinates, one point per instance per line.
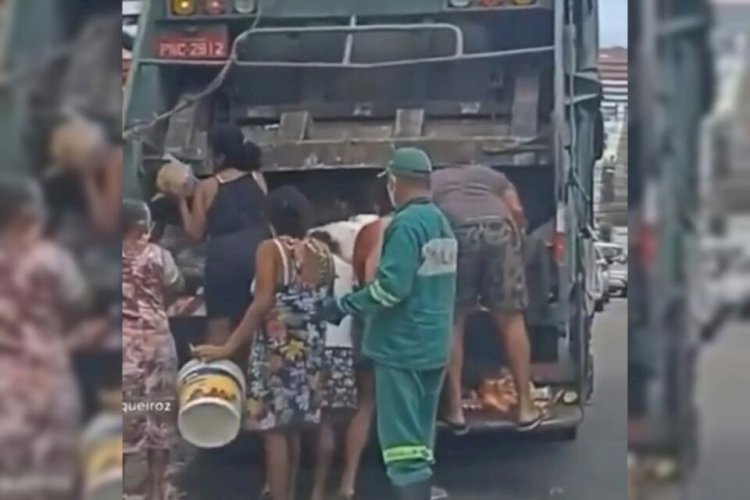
(329, 88)
(671, 56)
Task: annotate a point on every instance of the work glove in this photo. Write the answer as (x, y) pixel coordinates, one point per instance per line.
(330, 311)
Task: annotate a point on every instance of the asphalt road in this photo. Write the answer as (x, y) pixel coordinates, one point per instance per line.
(723, 379)
(489, 467)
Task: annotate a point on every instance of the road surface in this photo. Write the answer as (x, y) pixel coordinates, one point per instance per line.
(723, 379)
(490, 467)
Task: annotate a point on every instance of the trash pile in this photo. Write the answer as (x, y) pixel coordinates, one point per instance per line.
(500, 395)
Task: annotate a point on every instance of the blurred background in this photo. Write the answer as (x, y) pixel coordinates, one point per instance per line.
(60, 113)
(688, 191)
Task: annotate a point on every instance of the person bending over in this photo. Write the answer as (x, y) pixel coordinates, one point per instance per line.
(487, 218)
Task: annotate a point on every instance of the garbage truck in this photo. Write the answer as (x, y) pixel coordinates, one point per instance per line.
(328, 89)
(671, 56)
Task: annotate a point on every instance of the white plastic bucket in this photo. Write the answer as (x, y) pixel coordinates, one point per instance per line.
(102, 456)
(212, 396)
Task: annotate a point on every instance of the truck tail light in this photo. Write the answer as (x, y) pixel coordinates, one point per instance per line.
(245, 6)
(648, 245)
(215, 7)
(647, 240)
(556, 246)
(183, 7)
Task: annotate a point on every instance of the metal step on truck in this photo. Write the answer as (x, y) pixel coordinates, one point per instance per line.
(329, 88)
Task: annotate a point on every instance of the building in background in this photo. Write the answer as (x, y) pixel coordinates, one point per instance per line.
(131, 9)
(613, 71)
(611, 173)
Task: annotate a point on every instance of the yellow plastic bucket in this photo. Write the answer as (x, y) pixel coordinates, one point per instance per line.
(102, 458)
(212, 396)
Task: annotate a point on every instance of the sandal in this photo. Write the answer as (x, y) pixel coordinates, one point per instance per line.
(437, 493)
(456, 428)
(533, 424)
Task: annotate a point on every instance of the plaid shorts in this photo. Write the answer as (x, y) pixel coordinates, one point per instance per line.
(491, 269)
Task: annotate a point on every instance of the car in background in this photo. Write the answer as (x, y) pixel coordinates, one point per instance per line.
(601, 281)
(727, 273)
(617, 259)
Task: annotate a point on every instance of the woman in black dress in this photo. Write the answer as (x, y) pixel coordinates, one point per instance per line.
(228, 210)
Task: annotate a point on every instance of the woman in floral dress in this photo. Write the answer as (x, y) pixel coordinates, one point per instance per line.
(149, 361)
(285, 386)
(39, 400)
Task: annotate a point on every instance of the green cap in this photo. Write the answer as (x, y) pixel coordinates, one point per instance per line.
(409, 162)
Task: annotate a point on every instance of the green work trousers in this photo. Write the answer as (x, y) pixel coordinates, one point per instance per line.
(407, 404)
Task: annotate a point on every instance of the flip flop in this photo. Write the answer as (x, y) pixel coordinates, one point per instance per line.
(533, 424)
(455, 428)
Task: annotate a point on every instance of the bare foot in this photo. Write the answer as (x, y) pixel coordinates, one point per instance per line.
(455, 417)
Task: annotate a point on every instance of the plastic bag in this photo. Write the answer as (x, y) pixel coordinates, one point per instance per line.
(176, 178)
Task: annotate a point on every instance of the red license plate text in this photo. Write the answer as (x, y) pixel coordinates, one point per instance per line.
(214, 47)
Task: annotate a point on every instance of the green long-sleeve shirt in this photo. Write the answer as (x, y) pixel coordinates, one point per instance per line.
(408, 308)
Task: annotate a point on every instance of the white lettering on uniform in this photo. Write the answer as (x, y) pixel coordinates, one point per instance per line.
(440, 256)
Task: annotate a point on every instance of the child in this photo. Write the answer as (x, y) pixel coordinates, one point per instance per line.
(339, 382)
(149, 361)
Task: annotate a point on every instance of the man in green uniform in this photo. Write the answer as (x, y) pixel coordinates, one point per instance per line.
(408, 314)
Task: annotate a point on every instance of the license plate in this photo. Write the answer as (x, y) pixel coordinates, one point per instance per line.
(209, 46)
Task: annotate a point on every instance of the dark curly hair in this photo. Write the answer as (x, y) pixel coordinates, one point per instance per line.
(289, 212)
(228, 141)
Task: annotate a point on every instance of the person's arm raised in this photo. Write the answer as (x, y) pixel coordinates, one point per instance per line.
(194, 217)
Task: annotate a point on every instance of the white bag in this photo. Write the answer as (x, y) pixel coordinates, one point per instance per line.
(76, 143)
(345, 232)
(176, 178)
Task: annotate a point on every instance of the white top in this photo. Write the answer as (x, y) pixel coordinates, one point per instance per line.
(340, 336)
(344, 233)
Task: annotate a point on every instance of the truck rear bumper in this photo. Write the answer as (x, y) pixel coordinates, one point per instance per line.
(561, 417)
